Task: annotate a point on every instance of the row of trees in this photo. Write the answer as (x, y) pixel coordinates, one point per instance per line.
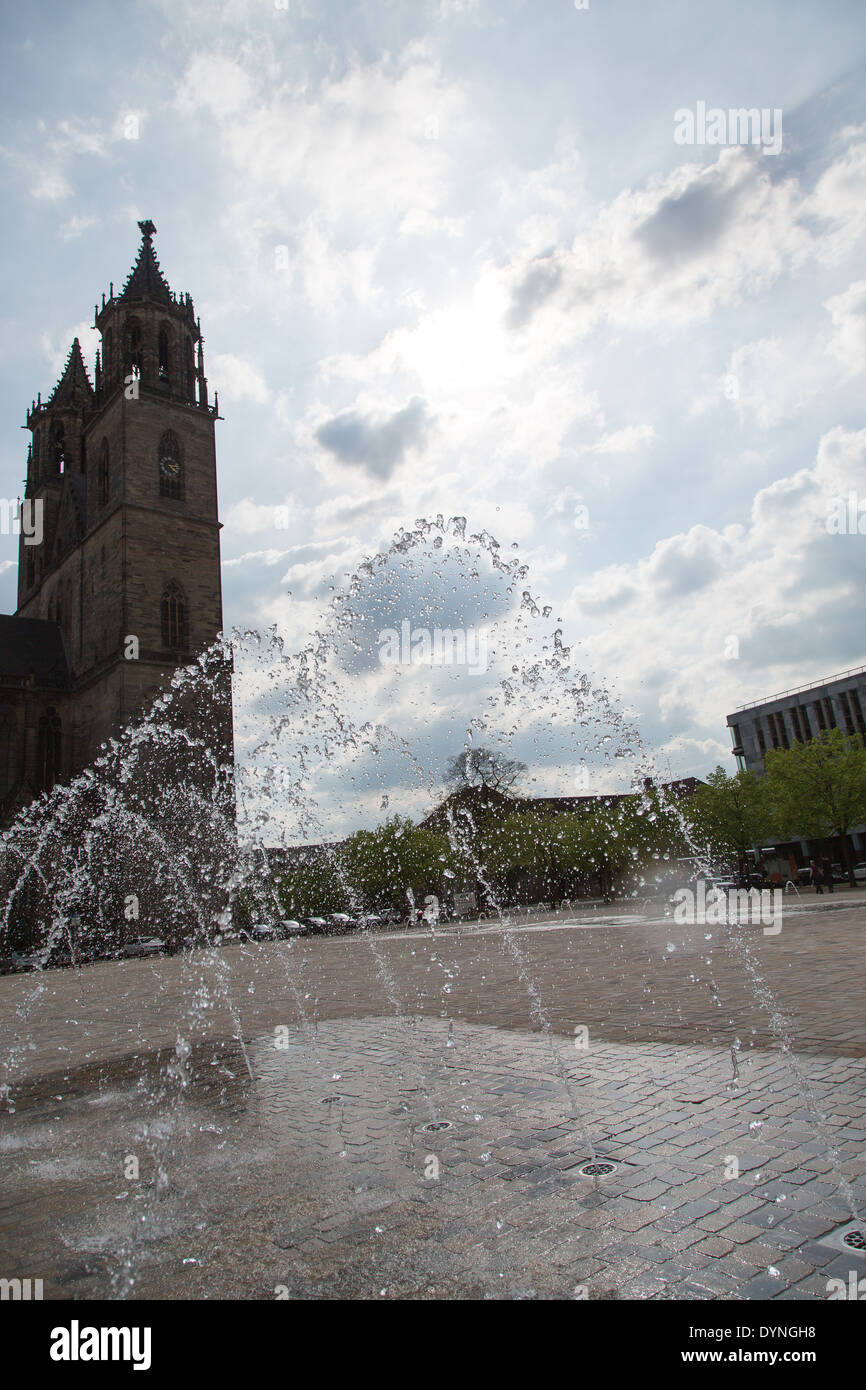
(507, 856)
(811, 791)
(512, 851)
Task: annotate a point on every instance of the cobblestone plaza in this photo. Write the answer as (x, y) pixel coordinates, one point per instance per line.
(410, 1116)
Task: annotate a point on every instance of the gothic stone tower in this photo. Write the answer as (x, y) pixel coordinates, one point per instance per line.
(125, 472)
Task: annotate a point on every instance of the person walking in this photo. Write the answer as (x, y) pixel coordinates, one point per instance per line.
(827, 872)
(817, 876)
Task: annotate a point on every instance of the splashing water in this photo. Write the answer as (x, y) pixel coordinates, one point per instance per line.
(165, 830)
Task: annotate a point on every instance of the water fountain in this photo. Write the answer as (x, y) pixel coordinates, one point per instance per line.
(163, 833)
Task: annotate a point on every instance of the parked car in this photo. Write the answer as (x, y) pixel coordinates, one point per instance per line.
(289, 927)
(341, 922)
(17, 963)
(317, 925)
(721, 885)
(860, 872)
(262, 931)
(142, 946)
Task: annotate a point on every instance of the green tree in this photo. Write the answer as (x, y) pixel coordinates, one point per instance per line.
(395, 860)
(316, 888)
(548, 847)
(730, 815)
(818, 789)
(626, 835)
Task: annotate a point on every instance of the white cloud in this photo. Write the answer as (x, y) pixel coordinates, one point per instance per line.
(237, 379)
(56, 351)
(216, 84)
(624, 441)
(700, 238)
(789, 591)
(331, 173)
(250, 518)
(848, 342)
(77, 226)
(50, 184)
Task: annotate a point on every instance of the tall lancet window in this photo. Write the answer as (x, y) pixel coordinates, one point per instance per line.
(58, 443)
(190, 370)
(164, 358)
(132, 336)
(173, 618)
(8, 749)
(50, 749)
(104, 479)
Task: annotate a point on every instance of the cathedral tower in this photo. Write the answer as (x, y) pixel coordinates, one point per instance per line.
(124, 584)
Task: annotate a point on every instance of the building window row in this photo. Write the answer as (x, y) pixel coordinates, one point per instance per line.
(852, 711)
(771, 730)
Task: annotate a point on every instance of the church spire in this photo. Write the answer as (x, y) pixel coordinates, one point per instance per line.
(146, 280)
(74, 386)
(149, 333)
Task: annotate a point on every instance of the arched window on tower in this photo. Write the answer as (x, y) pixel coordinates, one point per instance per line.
(50, 749)
(58, 446)
(132, 336)
(107, 352)
(190, 370)
(164, 357)
(104, 474)
(8, 749)
(170, 458)
(173, 619)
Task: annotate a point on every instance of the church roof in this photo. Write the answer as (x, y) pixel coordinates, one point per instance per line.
(146, 280)
(32, 647)
(74, 382)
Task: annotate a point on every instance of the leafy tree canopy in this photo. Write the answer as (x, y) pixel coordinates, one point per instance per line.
(730, 814)
(817, 789)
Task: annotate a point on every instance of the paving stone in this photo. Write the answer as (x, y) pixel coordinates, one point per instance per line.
(665, 1225)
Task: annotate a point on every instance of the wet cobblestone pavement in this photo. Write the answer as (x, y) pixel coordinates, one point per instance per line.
(319, 1175)
(299, 1163)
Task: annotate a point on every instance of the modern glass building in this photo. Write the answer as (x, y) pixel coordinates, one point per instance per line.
(798, 715)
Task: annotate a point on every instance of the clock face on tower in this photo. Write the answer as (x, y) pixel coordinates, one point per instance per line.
(170, 465)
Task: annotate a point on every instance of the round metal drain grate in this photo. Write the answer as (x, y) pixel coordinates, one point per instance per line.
(598, 1170)
(331, 1100)
(435, 1126)
(855, 1240)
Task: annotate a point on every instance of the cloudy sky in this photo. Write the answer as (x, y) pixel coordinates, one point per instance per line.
(450, 258)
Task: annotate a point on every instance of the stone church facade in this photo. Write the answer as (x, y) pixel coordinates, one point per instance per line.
(124, 583)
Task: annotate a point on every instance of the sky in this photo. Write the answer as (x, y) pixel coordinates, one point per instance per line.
(452, 257)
